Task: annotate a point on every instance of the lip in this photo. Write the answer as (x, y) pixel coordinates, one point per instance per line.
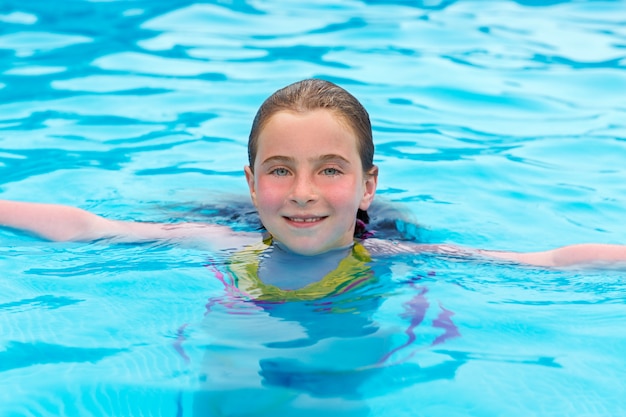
(304, 221)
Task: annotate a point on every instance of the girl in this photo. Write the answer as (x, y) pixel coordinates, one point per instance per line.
(310, 175)
(312, 179)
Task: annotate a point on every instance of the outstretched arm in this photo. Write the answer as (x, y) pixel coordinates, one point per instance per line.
(581, 254)
(55, 222)
(64, 223)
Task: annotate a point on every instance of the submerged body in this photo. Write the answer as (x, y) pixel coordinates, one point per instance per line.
(316, 346)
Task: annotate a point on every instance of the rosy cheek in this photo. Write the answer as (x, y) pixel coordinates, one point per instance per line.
(340, 193)
(269, 191)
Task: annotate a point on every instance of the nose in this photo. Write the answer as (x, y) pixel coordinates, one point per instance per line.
(303, 191)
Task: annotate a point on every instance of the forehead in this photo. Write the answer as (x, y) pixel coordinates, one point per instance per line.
(298, 125)
(306, 135)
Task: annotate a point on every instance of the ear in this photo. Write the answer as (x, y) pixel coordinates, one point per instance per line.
(251, 186)
(371, 182)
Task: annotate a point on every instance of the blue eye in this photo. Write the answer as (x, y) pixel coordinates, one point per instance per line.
(280, 172)
(330, 171)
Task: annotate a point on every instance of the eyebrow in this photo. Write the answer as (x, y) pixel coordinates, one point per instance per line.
(278, 159)
(289, 160)
(333, 158)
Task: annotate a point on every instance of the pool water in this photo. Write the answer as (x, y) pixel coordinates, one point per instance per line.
(498, 124)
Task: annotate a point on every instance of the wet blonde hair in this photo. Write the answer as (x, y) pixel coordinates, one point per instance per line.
(314, 94)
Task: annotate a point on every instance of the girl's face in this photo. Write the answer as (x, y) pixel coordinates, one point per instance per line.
(308, 181)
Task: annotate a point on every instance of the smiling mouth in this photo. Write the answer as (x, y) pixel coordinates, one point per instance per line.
(304, 220)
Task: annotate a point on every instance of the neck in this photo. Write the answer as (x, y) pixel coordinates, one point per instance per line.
(289, 270)
(284, 248)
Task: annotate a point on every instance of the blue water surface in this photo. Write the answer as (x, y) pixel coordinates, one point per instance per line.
(498, 124)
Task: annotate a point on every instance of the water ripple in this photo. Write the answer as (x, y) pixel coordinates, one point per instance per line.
(497, 123)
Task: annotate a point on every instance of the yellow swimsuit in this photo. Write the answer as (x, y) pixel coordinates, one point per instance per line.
(353, 271)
